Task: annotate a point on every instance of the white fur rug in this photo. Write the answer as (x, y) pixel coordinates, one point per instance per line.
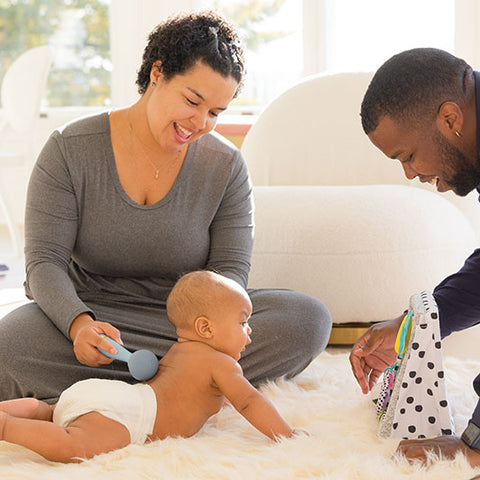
(324, 400)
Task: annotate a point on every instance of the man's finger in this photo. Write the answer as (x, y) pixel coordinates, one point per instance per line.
(358, 368)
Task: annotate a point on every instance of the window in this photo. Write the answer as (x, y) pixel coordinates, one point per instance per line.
(361, 35)
(78, 32)
(272, 34)
(288, 39)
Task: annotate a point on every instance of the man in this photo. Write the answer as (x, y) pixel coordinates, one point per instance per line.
(421, 109)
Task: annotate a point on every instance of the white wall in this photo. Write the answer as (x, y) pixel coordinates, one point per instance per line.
(130, 25)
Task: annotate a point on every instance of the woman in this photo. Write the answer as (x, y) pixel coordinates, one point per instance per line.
(120, 205)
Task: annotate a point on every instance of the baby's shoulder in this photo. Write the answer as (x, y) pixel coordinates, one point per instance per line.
(222, 364)
(201, 355)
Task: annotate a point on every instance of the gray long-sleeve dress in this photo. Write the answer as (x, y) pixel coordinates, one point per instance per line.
(91, 248)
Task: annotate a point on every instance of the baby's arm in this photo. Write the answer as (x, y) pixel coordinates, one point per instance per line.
(248, 401)
(87, 436)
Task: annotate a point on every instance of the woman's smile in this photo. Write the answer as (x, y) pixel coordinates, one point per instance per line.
(182, 134)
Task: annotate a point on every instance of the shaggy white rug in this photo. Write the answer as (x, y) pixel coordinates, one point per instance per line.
(324, 400)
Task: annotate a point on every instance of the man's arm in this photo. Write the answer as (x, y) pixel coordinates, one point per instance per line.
(458, 297)
(446, 446)
(458, 300)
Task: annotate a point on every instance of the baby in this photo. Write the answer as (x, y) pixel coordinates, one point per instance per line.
(195, 377)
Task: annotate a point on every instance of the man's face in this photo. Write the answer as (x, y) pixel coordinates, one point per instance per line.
(428, 155)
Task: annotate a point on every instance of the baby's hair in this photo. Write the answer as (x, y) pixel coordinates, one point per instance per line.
(195, 295)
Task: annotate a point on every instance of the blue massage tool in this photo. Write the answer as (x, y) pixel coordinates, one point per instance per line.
(142, 364)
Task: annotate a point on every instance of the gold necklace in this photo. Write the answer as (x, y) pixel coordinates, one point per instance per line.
(157, 170)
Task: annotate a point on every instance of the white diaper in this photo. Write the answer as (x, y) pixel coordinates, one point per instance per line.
(134, 406)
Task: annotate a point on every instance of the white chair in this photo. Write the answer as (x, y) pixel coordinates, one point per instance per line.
(336, 219)
(312, 135)
(22, 90)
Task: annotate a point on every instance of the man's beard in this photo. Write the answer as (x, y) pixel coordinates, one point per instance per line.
(463, 175)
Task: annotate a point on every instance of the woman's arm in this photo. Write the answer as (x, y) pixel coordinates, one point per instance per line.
(232, 229)
(51, 222)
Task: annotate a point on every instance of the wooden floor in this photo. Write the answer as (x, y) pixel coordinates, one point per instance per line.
(347, 333)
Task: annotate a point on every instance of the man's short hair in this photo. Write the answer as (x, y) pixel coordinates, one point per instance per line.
(411, 86)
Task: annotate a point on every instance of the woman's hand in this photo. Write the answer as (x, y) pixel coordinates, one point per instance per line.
(86, 337)
(374, 351)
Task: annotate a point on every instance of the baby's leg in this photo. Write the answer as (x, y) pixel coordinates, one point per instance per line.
(87, 436)
(27, 408)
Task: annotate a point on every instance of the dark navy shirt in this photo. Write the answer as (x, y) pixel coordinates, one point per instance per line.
(458, 296)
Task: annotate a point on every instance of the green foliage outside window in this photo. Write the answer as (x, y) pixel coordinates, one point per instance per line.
(77, 30)
(248, 16)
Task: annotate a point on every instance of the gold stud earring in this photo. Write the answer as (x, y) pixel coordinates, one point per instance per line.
(457, 133)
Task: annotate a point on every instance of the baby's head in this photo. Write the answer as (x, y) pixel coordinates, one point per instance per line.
(209, 307)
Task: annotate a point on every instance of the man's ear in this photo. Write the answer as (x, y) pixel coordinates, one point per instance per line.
(450, 119)
(203, 327)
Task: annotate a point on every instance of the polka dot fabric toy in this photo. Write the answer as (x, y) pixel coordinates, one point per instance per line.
(417, 405)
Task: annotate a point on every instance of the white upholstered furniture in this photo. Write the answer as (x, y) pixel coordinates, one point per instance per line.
(338, 220)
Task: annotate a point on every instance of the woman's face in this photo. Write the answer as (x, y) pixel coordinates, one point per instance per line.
(187, 106)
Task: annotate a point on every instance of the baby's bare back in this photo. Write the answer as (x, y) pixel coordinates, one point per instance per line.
(185, 391)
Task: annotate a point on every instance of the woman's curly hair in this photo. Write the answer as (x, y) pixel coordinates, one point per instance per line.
(180, 41)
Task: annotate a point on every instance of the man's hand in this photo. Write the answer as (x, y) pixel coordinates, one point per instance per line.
(446, 446)
(374, 351)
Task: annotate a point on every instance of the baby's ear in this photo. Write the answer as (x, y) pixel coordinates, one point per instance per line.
(203, 327)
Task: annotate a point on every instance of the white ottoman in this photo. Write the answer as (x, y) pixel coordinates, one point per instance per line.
(362, 250)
